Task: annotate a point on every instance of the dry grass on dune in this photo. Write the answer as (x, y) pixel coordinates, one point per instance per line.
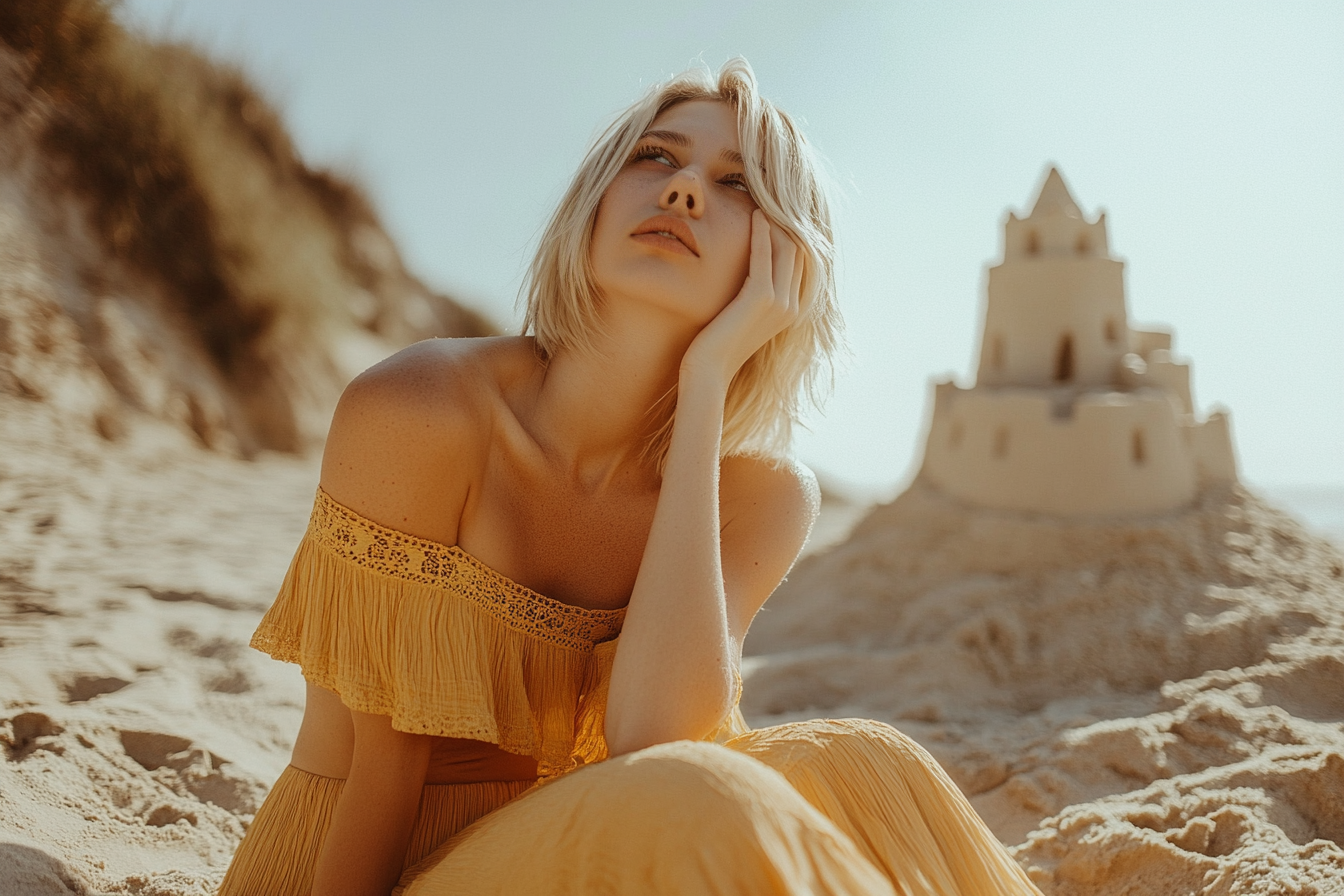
(188, 180)
(129, 158)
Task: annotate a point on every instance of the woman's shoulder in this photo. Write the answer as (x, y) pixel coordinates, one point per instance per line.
(782, 492)
(443, 374)
(410, 434)
(437, 385)
(766, 510)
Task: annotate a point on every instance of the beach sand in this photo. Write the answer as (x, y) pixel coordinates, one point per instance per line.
(140, 732)
(1147, 707)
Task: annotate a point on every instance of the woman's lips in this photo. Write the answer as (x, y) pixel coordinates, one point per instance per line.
(667, 232)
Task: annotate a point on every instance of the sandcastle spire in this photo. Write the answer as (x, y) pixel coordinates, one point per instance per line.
(1055, 198)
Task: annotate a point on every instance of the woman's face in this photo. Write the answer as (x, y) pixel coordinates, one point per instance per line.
(674, 226)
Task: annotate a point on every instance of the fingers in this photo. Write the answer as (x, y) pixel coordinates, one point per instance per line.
(776, 262)
(766, 305)
(759, 271)
(784, 253)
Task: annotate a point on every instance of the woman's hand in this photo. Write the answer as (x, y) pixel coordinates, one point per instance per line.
(766, 304)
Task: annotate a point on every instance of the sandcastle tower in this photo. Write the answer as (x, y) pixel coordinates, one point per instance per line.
(1074, 411)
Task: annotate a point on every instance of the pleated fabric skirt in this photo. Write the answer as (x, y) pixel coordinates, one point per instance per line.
(818, 807)
(278, 856)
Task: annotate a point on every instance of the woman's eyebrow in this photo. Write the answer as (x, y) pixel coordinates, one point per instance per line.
(676, 138)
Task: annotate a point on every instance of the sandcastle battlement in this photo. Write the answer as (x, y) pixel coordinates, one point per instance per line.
(1074, 411)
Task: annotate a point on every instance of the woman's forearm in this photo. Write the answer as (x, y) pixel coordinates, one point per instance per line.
(673, 672)
(371, 826)
(673, 675)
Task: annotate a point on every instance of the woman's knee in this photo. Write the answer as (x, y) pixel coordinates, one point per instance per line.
(673, 818)
(800, 743)
(662, 794)
(684, 778)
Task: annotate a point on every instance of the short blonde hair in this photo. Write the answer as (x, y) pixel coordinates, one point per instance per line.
(766, 397)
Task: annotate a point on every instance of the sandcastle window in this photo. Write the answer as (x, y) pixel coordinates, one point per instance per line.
(1033, 243)
(1111, 333)
(1083, 246)
(954, 439)
(1001, 442)
(996, 353)
(1064, 359)
(1138, 450)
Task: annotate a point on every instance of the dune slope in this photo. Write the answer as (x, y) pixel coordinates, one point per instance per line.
(166, 251)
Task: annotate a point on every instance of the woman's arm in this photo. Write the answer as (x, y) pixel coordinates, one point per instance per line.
(402, 440)
(700, 583)
(371, 827)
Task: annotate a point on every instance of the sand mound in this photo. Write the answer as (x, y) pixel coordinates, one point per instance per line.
(1154, 705)
(164, 252)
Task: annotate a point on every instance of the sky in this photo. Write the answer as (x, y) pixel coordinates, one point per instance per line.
(1211, 134)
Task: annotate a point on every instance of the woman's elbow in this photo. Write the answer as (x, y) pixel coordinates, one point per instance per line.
(625, 736)
(633, 727)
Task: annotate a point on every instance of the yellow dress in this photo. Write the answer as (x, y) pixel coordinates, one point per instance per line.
(444, 645)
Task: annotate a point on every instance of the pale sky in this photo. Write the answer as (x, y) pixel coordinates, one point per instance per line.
(1211, 133)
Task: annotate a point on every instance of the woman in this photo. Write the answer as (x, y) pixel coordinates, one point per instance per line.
(494, 513)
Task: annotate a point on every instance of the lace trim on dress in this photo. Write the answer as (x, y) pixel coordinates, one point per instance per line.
(361, 541)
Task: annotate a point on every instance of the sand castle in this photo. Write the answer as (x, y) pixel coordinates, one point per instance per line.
(1074, 410)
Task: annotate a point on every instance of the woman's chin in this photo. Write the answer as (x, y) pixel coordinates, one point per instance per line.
(677, 308)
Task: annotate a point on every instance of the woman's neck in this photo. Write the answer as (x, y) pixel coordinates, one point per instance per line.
(594, 412)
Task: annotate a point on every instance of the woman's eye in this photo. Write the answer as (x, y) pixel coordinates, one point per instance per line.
(737, 182)
(656, 153)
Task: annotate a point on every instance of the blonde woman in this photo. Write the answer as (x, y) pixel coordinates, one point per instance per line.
(521, 602)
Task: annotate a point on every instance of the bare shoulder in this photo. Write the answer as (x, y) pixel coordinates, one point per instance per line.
(767, 508)
(755, 488)
(410, 434)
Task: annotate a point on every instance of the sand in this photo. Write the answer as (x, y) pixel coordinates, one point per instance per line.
(1143, 707)
(139, 731)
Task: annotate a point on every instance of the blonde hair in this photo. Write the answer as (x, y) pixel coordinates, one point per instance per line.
(766, 397)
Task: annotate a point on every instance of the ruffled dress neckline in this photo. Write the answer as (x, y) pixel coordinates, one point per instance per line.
(391, 552)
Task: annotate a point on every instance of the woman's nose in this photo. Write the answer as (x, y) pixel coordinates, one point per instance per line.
(685, 193)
